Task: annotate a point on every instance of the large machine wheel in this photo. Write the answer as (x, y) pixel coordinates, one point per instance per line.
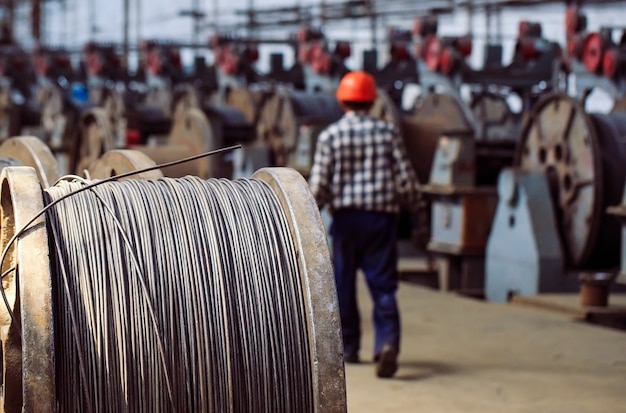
(584, 157)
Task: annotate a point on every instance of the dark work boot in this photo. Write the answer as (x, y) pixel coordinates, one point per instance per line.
(386, 362)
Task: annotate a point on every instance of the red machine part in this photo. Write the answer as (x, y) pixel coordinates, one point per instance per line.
(154, 62)
(133, 137)
(529, 29)
(319, 58)
(400, 52)
(593, 50)
(453, 51)
(41, 63)
(432, 52)
(226, 59)
(575, 45)
(175, 59)
(343, 50)
(528, 48)
(93, 62)
(464, 46)
(611, 62)
(449, 60)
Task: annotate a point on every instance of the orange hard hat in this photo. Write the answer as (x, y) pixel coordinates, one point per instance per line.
(357, 86)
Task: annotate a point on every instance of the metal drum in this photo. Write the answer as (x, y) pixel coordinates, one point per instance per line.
(248, 101)
(494, 117)
(584, 157)
(434, 114)
(446, 109)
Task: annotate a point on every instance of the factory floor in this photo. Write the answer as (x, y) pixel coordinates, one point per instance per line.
(464, 355)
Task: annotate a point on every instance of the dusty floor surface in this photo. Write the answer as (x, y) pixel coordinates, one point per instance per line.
(464, 355)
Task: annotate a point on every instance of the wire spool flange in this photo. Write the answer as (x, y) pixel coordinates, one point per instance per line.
(28, 370)
(317, 273)
(31, 151)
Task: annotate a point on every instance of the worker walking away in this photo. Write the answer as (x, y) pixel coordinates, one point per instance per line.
(362, 173)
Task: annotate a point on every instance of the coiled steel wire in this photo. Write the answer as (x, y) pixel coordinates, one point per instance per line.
(177, 295)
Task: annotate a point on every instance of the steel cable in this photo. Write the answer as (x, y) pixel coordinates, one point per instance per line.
(177, 295)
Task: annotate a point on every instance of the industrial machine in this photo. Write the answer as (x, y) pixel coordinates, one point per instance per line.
(478, 141)
(595, 59)
(168, 114)
(551, 220)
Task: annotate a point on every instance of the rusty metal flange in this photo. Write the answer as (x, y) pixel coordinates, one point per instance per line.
(317, 282)
(31, 151)
(28, 358)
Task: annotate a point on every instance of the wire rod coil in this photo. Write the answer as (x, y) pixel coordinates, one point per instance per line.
(172, 295)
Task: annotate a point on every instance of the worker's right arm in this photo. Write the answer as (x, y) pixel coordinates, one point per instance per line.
(321, 173)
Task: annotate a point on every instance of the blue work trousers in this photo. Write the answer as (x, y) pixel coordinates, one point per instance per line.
(366, 240)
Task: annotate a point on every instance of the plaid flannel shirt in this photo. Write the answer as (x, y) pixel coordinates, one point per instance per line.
(361, 163)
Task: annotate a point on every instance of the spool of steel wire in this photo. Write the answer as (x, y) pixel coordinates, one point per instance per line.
(181, 295)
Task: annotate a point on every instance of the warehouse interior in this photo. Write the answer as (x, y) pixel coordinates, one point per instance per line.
(164, 248)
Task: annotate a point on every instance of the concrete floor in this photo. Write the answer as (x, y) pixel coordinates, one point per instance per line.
(464, 355)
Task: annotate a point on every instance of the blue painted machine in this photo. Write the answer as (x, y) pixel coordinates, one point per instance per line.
(570, 167)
